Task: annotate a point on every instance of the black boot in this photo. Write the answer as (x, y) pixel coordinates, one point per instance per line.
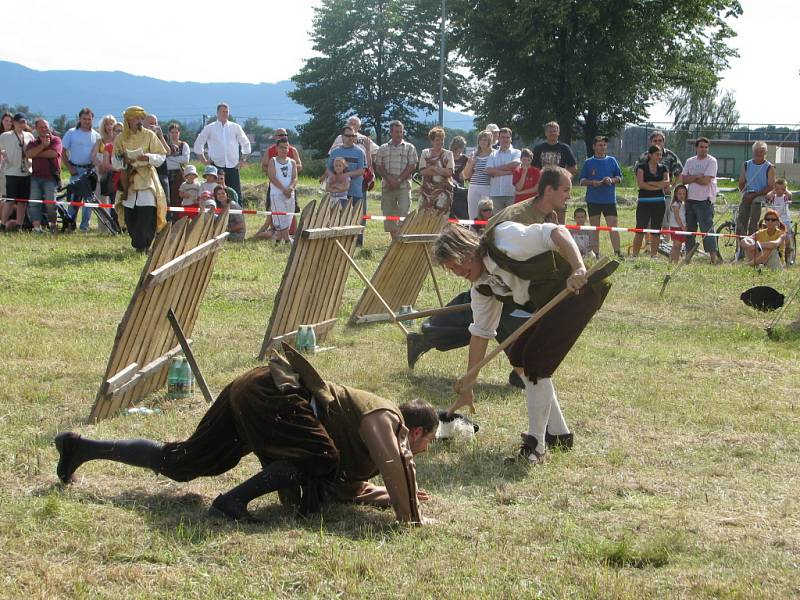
(561, 441)
(416, 345)
(276, 476)
(528, 452)
(74, 450)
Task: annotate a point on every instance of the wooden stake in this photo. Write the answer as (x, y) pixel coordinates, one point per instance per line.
(187, 351)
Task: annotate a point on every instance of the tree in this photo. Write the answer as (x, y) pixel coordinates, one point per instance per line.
(705, 113)
(591, 66)
(378, 60)
(708, 112)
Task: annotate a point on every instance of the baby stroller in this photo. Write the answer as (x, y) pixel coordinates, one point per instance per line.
(82, 190)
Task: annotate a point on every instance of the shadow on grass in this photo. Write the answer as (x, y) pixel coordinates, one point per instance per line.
(427, 384)
(80, 257)
(185, 517)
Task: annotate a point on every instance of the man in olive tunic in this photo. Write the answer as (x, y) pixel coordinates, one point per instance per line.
(311, 436)
(528, 265)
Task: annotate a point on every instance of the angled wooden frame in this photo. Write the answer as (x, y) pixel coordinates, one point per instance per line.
(314, 279)
(402, 271)
(176, 277)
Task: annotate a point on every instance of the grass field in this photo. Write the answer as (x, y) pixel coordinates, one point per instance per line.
(683, 482)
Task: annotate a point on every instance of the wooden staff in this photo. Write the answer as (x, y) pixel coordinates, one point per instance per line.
(602, 269)
(421, 314)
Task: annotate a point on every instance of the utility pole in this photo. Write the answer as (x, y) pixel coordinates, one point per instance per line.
(441, 66)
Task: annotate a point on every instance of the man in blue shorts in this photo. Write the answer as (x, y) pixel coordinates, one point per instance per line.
(600, 175)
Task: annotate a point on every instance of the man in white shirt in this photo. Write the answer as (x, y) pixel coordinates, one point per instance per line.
(78, 144)
(225, 140)
(500, 166)
(700, 174)
(503, 267)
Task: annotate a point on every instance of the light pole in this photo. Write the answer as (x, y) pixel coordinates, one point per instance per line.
(441, 66)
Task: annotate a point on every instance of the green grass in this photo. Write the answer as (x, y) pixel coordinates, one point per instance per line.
(682, 484)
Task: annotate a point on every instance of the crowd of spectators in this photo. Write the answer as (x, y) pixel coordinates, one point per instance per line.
(452, 179)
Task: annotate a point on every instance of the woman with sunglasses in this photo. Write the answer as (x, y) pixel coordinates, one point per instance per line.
(763, 247)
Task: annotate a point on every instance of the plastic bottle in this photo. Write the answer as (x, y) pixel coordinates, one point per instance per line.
(311, 340)
(300, 340)
(179, 378)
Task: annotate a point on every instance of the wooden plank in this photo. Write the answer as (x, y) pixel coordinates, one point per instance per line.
(184, 260)
(324, 325)
(330, 232)
(193, 287)
(281, 296)
(418, 238)
(341, 265)
(152, 368)
(132, 322)
(157, 337)
(327, 291)
(114, 382)
(183, 283)
(303, 280)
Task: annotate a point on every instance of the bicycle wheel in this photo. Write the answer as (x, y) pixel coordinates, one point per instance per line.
(727, 245)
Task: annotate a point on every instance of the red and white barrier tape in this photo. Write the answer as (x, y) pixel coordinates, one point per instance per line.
(195, 210)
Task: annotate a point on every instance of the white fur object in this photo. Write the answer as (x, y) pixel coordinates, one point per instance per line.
(455, 426)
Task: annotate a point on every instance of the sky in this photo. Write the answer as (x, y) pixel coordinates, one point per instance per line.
(271, 40)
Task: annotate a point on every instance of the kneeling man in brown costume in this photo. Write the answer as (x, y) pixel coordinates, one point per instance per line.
(316, 440)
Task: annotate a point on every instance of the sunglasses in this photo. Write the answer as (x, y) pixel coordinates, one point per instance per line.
(770, 219)
(349, 135)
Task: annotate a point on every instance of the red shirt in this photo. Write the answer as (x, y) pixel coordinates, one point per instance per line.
(44, 167)
(531, 179)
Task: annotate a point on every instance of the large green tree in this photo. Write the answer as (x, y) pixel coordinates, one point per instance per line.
(591, 66)
(378, 59)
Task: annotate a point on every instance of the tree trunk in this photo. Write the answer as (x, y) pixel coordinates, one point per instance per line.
(590, 130)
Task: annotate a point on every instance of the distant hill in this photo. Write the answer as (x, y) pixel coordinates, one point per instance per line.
(54, 93)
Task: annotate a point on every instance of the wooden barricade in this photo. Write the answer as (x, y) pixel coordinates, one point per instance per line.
(174, 277)
(313, 282)
(403, 269)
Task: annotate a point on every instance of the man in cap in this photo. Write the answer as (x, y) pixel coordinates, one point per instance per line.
(137, 152)
(314, 439)
(17, 171)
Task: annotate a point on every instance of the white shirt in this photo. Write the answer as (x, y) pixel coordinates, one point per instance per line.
(519, 242)
(502, 185)
(175, 162)
(16, 164)
(706, 167)
(224, 142)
